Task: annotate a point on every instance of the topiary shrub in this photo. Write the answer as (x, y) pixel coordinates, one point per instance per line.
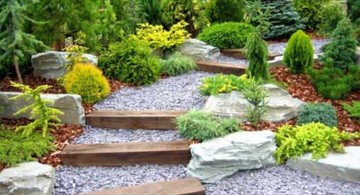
(131, 61)
(317, 112)
(330, 15)
(309, 11)
(225, 10)
(315, 138)
(229, 35)
(87, 81)
(177, 64)
(257, 55)
(299, 53)
(221, 84)
(200, 125)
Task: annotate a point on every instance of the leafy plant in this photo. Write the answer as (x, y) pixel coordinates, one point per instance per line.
(317, 112)
(131, 61)
(257, 15)
(221, 84)
(309, 11)
(87, 81)
(45, 118)
(257, 55)
(353, 110)
(200, 125)
(330, 15)
(16, 148)
(152, 11)
(354, 11)
(315, 138)
(177, 64)
(76, 51)
(254, 92)
(229, 35)
(219, 11)
(299, 53)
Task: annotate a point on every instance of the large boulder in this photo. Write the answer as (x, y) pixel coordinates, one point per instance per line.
(215, 159)
(336, 166)
(30, 178)
(51, 64)
(198, 50)
(69, 104)
(281, 106)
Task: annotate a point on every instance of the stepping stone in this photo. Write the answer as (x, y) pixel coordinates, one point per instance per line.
(238, 69)
(119, 154)
(188, 186)
(126, 119)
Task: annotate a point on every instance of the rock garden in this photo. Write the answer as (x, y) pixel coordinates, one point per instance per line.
(179, 97)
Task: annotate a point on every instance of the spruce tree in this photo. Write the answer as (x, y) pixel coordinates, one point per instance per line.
(257, 55)
(16, 43)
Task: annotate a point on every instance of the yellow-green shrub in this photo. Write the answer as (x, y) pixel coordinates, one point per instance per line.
(87, 81)
(221, 84)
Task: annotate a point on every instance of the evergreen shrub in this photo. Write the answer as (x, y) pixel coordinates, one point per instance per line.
(299, 53)
(330, 15)
(317, 112)
(354, 11)
(87, 81)
(225, 10)
(221, 84)
(228, 35)
(177, 64)
(353, 109)
(309, 11)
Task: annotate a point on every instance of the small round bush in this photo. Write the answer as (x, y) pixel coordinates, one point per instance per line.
(229, 35)
(87, 81)
(330, 15)
(131, 61)
(177, 64)
(225, 10)
(299, 52)
(317, 112)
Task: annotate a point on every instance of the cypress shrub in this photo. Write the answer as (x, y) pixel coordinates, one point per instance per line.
(225, 10)
(257, 55)
(299, 52)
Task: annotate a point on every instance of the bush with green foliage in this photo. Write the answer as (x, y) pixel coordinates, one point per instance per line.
(228, 35)
(87, 81)
(309, 11)
(257, 15)
(45, 118)
(341, 51)
(354, 10)
(315, 138)
(353, 109)
(330, 15)
(283, 18)
(257, 55)
(299, 53)
(151, 9)
(221, 84)
(354, 72)
(177, 64)
(131, 61)
(16, 148)
(200, 125)
(76, 51)
(317, 112)
(219, 11)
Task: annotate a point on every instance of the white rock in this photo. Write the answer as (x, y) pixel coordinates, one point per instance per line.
(198, 50)
(215, 159)
(31, 178)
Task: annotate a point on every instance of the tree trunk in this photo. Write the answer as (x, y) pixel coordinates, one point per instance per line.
(17, 70)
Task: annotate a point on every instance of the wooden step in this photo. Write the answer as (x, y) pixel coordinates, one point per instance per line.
(124, 119)
(118, 154)
(188, 186)
(213, 67)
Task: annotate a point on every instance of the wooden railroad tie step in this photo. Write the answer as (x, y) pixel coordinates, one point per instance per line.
(188, 186)
(118, 154)
(124, 119)
(238, 69)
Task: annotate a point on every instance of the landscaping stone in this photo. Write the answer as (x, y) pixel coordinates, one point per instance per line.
(51, 64)
(199, 50)
(31, 178)
(281, 106)
(358, 56)
(336, 166)
(69, 104)
(215, 159)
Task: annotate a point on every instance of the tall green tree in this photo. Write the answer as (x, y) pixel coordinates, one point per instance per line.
(15, 43)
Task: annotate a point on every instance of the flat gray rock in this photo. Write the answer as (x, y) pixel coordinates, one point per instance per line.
(215, 159)
(31, 178)
(198, 50)
(281, 105)
(336, 166)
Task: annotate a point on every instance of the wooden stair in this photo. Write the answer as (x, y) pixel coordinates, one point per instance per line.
(238, 69)
(124, 119)
(118, 154)
(188, 186)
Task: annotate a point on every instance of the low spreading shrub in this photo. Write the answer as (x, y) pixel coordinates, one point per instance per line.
(177, 64)
(221, 84)
(315, 138)
(299, 53)
(131, 61)
(330, 15)
(353, 110)
(200, 125)
(225, 10)
(317, 112)
(228, 35)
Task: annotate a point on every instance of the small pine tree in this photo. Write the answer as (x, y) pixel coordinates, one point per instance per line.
(299, 53)
(225, 10)
(257, 55)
